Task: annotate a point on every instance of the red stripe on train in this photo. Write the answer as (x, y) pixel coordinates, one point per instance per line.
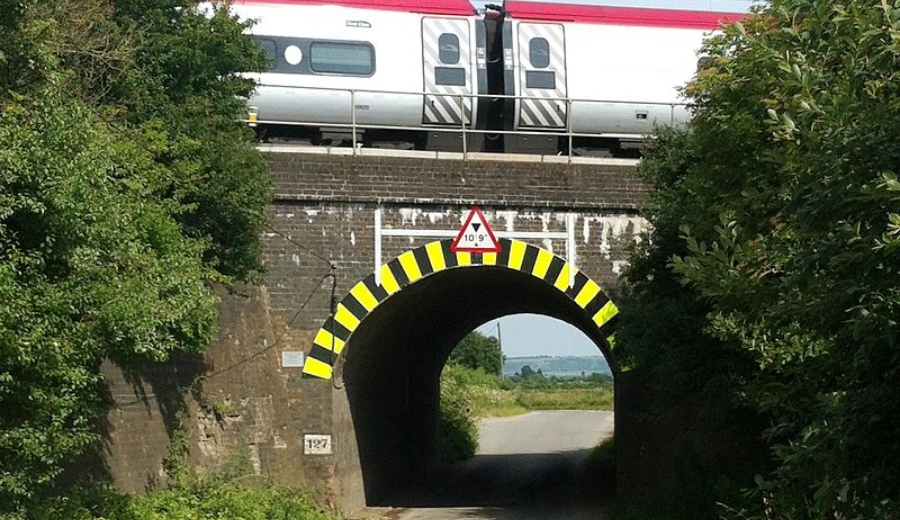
(446, 7)
(534, 11)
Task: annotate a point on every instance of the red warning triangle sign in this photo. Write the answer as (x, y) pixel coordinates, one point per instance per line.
(476, 235)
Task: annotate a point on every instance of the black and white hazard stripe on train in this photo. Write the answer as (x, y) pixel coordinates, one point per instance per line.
(418, 263)
(544, 105)
(451, 98)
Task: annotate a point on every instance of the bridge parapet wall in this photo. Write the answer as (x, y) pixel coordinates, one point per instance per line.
(391, 180)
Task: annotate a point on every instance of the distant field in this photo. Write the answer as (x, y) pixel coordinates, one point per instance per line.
(484, 395)
(558, 366)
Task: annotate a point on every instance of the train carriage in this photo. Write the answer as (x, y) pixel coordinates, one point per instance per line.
(417, 73)
(398, 63)
(610, 71)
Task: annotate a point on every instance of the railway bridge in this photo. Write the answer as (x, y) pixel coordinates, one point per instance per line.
(326, 375)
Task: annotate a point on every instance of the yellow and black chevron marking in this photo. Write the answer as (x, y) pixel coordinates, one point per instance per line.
(436, 256)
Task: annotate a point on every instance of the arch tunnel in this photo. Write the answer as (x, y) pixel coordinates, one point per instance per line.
(389, 341)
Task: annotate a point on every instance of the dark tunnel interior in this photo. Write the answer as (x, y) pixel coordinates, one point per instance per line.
(392, 363)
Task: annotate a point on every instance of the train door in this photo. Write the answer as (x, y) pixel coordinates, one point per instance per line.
(542, 76)
(447, 64)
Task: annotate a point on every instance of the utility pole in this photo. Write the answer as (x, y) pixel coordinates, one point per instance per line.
(500, 344)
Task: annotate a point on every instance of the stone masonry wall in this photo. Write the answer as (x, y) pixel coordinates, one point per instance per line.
(239, 401)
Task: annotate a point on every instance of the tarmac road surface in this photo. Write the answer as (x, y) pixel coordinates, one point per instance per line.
(528, 467)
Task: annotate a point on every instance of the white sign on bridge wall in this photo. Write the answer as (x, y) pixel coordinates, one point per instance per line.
(317, 444)
(292, 359)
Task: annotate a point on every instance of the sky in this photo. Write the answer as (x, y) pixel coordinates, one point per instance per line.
(535, 335)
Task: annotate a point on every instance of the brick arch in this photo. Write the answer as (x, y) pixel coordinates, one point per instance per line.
(421, 262)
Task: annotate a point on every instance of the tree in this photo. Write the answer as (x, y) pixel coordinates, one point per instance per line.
(126, 190)
(780, 230)
(478, 351)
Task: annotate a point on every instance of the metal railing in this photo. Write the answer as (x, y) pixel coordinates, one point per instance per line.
(465, 126)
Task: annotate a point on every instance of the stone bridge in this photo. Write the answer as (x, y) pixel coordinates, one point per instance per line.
(368, 235)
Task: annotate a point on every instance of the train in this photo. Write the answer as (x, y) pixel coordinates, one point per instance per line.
(524, 76)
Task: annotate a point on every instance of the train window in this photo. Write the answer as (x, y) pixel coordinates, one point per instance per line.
(448, 48)
(539, 53)
(268, 47)
(356, 59)
(453, 76)
(540, 79)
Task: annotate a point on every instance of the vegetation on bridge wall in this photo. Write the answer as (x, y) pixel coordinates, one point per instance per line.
(773, 272)
(126, 189)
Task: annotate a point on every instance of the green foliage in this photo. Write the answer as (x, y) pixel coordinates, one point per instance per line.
(603, 453)
(196, 498)
(561, 397)
(459, 431)
(477, 351)
(776, 242)
(599, 470)
(190, 92)
(126, 190)
(223, 409)
(231, 490)
(469, 377)
(489, 396)
(663, 321)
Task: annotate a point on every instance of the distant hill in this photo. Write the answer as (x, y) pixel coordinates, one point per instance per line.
(558, 366)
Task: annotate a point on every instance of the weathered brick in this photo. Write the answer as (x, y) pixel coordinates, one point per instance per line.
(326, 204)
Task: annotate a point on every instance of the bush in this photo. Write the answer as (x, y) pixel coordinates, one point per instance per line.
(127, 189)
(771, 275)
(231, 491)
(604, 453)
(191, 498)
(459, 433)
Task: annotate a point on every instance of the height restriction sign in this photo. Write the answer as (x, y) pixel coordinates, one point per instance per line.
(476, 235)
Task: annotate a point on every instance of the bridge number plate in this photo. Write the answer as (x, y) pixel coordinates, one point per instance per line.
(317, 444)
(476, 235)
(292, 359)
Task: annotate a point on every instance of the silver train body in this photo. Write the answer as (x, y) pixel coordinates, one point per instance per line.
(523, 77)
